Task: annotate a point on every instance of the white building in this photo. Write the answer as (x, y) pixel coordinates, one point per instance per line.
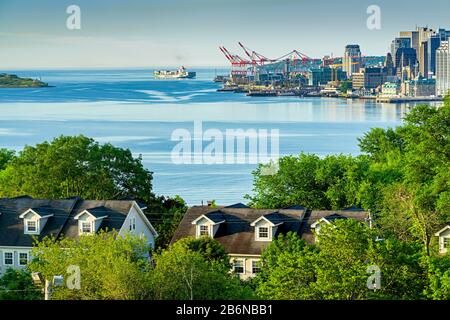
(444, 239)
(443, 69)
(25, 218)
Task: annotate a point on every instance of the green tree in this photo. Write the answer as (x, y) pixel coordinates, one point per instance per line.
(6, 156)
(287, 270)
(337, 266)
(18, 285)
(76, 166)
(438, 278)
(182, 274)
(166, 214)
(329, 183)
(210, 249)
(111, 267)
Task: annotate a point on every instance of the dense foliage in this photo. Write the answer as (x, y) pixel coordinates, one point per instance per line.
(338, 267)
(76, 166)
(112, 267)
(18, 285)
(195, 269)
(402, 177)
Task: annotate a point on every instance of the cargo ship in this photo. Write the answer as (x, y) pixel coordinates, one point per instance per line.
(181, 73)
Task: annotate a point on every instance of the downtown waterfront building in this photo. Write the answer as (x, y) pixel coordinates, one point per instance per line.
(351, 62)
(443, 69)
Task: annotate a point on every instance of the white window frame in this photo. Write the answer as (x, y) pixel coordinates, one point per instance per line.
(133, 224)
(208, 231)
(27, 231)
(243, 266)
(446, 243)
(91, 227)
(258, 266)
(258, 233)
(12, 258)
(27, 259)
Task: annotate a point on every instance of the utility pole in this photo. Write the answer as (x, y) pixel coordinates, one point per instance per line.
(48, 290)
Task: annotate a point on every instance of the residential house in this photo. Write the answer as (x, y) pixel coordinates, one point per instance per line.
(245, 232)
(444, 239)
(23, 219)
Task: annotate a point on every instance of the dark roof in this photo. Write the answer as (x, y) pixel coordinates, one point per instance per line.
(100, 212)
(45, 210)
(308, 234)
(236, 234)
(62, 221)
(296, 207)
(215, 216)
(237, 205)
(276, 217)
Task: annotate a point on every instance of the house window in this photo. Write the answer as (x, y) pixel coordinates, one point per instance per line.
(31, 226)
(256, 266)
(263, 233)
(23, 258)
(446, 243)
(238, 266)
(204, 230)
(8, 259)
(86, 227)
(132, 224)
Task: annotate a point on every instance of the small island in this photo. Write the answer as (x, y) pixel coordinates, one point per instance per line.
(13, 81)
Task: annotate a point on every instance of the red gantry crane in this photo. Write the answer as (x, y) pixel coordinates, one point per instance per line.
(239, 65)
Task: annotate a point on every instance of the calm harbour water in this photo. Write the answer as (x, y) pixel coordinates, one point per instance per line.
(130, 109)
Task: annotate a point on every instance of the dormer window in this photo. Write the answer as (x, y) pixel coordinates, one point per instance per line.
(86, 228)
(204, 230)
(266, 226)
(207, 225)
(31, 226)
(35, 219)
(90, 220)
(263, 233)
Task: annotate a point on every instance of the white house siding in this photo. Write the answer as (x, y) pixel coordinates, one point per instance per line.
(444, 235)
(16, 251)
(248, 264)
(142, 228)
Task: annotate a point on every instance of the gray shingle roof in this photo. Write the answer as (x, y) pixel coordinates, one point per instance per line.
(236, 234)
(61, 223)
(238, 237)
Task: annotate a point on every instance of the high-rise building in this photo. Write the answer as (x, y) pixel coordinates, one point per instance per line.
(351, 62)
(419, 42)
(423, 60)
(443, 34)
(443, 69)
(433, 44)
(413, 36)
(405, 57)
(369, 78)
(389, 65)
(398, 43)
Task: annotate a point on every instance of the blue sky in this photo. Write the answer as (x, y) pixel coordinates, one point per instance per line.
(141, 33)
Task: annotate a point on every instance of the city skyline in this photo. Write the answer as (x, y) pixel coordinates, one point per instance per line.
(172, 33)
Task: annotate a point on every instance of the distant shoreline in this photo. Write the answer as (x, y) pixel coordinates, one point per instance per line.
(11, 81)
